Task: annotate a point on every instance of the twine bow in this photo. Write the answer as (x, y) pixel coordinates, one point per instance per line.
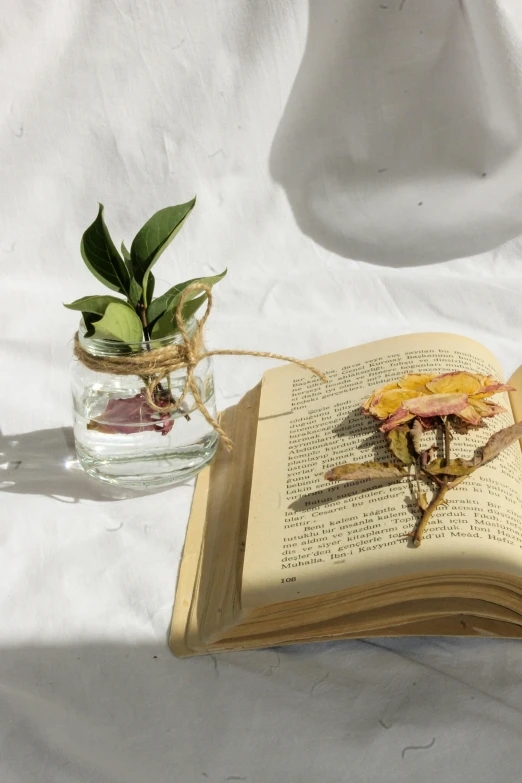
(158, 363)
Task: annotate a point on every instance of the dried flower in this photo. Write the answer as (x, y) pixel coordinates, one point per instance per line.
(461, 394)
(421, 401)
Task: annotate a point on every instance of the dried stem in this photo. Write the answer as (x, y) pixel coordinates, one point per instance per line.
(420, 496)
(417, 483)
(436, 501)
(438, 498)
(447, 440)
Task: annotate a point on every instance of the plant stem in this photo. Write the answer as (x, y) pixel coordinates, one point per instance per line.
(141, 309)
(416, 467)
(437, 500)
(441, 492)
(447, 441)
(171, 397)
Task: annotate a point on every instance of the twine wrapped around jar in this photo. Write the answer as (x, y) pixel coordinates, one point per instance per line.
(158, 363)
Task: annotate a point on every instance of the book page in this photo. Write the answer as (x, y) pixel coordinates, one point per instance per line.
(208, 590)
(516, 396)
(307, 537)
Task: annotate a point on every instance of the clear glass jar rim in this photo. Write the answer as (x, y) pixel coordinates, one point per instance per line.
(100, 346)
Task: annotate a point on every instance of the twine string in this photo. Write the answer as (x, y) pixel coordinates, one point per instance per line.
(158, 363)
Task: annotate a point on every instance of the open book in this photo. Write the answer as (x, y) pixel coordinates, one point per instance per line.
(275, 555)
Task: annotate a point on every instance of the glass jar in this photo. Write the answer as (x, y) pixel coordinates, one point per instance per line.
(120, 438)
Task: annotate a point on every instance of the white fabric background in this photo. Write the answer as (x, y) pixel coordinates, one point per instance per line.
(310, 136)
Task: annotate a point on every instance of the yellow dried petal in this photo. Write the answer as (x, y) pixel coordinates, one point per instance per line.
(387, 387)
(416, 381)
(401, 416)
(470, 415)
(494, 387)
(454, 383)
(436, 404)
(487, 380)
(481, 407)
(388, 402)
(485, 409)
(373, 396)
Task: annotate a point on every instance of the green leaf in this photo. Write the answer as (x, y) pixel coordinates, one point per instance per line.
(167, 323)
(102, 258)
(192, 306)
(135, 289)
(90, 319)
(125, 253)
(455, 467)
(363, 470)
(155, 236)
(119, 322)
(150, 287)
(94, 304)
(169, 300)
(400, 444)
(135, 292)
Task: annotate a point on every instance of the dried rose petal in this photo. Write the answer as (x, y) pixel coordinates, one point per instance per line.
(367, 404)
(486, 409)
(488, 380)
(492, 388)
(389, 401)
(401, 416)
(436, 404)
(470, 415)
(428, 424)
(416, 381)
(454, 383)
(133, 414)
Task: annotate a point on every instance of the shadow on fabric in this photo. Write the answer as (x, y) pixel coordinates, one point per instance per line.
(401, 142)
(44, 463)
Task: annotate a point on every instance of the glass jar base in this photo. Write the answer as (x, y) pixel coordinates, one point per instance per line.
(149, 470)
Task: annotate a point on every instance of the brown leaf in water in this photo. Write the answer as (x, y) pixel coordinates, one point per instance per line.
(130, 415)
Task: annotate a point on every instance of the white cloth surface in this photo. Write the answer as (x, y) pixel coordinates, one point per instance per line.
(357, 165)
